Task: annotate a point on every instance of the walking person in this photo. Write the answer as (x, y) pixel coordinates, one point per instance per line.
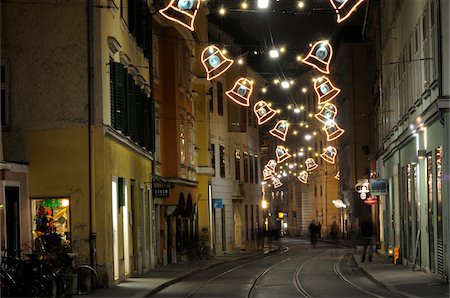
(367, 236)
(313, 232)
(334, 232)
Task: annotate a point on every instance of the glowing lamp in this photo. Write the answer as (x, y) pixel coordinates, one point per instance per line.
(182, 12)
(344, 8)
(214, 62)
(320, 56)
(281, 154)
(280, 130)
(329, 154)
(271, 164)
(264, 204)
(311, 164)
(303, 177)
(241, 92)
(325, 90)
(263, 4)
(263, 112)
(333, 131)
(327, 114)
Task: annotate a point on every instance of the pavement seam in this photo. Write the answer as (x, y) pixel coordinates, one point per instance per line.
(184, 275)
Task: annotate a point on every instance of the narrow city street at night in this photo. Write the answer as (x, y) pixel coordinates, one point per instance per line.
(225, 148)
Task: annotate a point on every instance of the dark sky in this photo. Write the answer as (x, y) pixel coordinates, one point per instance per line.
(283, 24)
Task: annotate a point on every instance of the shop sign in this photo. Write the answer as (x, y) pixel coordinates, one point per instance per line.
(371, 201)
(378, 187)
(217, 203)
(160, 192)
(362, 186)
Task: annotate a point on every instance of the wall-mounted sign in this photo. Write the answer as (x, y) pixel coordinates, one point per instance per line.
(371, 201)
(378, 187)
(217, 203)
(160, 192)
(362, 186)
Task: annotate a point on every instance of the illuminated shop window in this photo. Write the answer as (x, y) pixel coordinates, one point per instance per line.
(51, 223)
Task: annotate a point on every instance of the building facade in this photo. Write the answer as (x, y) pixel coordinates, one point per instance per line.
(413, 115)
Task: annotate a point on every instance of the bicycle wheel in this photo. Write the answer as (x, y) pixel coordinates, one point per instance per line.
(87, 279)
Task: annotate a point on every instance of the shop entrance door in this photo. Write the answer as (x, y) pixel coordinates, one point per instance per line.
(12, 219)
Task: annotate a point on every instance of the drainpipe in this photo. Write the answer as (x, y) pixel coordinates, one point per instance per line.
(91, 107)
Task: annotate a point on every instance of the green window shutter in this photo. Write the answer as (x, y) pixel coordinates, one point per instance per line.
(147, 47)
(119, 95)
(146, 122)
(121, 191)
(129, 83)
(152, 126)
(140, 116)
(112, 83)
(131, 108)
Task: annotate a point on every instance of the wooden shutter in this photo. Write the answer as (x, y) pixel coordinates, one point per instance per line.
(139, 114)
(112, 88)
(131, 110)
(119, 96)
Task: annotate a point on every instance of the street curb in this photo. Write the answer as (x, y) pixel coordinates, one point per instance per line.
(181, 277)
(382, 284)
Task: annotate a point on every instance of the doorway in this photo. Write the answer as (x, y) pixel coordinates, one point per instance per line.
(12, 219)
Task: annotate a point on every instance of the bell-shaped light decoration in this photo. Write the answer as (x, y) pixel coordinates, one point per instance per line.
(337, 176)
(271, 164)
(280, 130)
(310, 164)
(214, 62)
(241, 92)
(303, 177)
(267, 174)
(281, 154)
(320, 56)
(333, 131)
(329, 154)
(327, 114)
(276, 182)
(344, 8)
(263, 112)
(325, 90)
(182, 12)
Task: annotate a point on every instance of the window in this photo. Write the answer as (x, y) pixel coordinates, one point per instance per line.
(5, 100)
(252, 173)
(219, 98)
(213, 156)
(256, 170)
(131, 108)
(155, 62)
(425, 48)
(139, 22)
(246, 222)
(157, 137)
(237, 164)
(191, 141)
(211, 101)
(315, 191)
(181, 63)
(222, 161)
(245, 166)
(182, 140)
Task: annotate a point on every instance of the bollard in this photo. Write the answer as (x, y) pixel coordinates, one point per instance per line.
(396, 255)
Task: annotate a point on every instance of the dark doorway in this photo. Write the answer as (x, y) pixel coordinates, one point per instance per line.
(12, 219)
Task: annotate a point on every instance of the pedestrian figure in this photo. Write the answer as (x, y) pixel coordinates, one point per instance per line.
(334, 232)
(367, 236)
(319, 230)
(313, 232)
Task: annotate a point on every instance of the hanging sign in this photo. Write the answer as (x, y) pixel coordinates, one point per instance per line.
(161, 192)
(371, 201)
(378, 187)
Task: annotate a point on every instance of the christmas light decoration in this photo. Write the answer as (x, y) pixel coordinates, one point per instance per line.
(337, 176)
(311, 164)
(327, 114)
(263, 112)
(303, 177)
(276, 183)
(320, 56)
(280, 130)
(214, 62)
(329, 154)
(333, 131)
(282, 154)
(267, 174)
(325, 90)
(271, 164)
(344, 8)
(241, 92)
(182, 12)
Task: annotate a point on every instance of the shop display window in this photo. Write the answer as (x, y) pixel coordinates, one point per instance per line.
(51, 223)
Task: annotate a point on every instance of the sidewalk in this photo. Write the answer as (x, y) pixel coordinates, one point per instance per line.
(164, 276)
(401, 279)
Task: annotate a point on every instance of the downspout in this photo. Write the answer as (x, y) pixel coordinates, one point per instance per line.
(91, 120)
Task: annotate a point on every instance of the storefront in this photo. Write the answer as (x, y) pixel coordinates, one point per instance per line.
(51, 224)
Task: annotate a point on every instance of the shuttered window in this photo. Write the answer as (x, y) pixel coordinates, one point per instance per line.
(132, 111)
